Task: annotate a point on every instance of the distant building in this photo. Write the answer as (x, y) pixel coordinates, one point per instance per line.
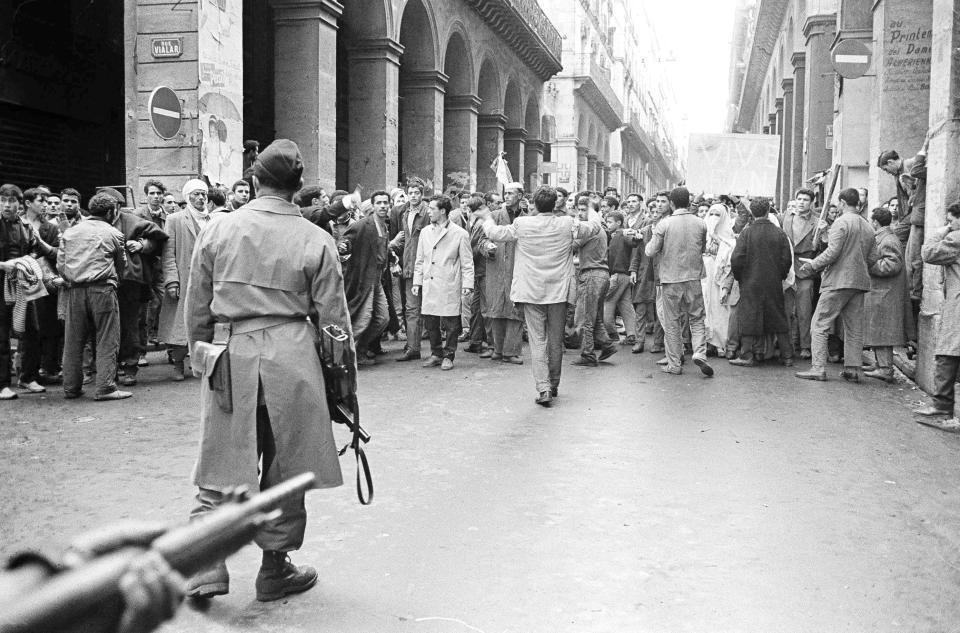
(610, 106)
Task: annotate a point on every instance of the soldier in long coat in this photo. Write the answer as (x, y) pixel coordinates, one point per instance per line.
(505, 318)
(886, 307)
(761, 260)
(260, 272)
(182, 228)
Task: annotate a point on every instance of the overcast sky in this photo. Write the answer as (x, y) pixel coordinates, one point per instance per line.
(697, 33)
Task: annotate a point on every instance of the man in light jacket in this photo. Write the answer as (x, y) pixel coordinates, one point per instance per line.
(851, 251)
(443, 274)
(681, 240)
(543, 279)
(944, 250)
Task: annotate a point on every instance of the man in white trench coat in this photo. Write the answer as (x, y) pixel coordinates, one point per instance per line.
(260, 272)
(443, 274)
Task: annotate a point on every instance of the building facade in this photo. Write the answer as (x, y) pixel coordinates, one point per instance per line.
(784, 82)
(609, 109)
(373, 91)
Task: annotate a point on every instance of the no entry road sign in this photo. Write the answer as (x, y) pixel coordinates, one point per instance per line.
(851, 58)
(165, 112)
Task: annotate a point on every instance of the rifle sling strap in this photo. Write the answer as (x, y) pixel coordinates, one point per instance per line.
(364, 466)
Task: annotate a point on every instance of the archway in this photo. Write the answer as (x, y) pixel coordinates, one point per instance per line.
(533, 157)
(515, 136)
(460, 110)
(490, 125)
(422, 87)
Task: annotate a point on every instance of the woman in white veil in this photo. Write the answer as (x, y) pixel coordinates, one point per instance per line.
(716, 261)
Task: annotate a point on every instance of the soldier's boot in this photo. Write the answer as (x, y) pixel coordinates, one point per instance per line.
(278, 577)
(178, 374)
(214, 581)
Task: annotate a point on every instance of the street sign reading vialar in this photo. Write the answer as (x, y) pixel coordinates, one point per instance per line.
(165, 112)
(851, 58)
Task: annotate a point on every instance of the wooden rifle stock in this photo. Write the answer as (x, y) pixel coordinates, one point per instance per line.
(69, 596)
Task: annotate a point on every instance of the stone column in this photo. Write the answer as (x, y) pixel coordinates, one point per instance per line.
(490, 129)
(786, 144)
(564, 153)
(592, 172)
(618, 180)
(305, 60)
(460, 138)
(604, 170)
(778, 117)
(582, 168)
(374, 84)
(943, 168)
(799, 62)
(532, 160)
(900, 113)
(514, 144)
(819, 32)
(421, 126)
(772, 120)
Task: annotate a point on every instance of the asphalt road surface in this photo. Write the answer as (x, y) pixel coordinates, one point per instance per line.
(640, 502)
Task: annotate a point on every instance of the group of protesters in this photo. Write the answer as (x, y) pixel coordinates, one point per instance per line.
(674, 274)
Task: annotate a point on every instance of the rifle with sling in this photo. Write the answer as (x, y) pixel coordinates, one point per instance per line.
(340, 377)
(67, 597)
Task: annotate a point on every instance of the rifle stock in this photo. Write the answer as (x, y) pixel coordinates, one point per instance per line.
(189, 548)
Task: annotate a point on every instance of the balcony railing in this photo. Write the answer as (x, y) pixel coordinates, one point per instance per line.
(593, 82)
(527, 29)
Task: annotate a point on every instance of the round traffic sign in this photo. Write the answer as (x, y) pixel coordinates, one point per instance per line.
(165, 112)
(851, 58)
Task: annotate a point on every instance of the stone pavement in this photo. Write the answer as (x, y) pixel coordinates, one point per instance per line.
(639, 502)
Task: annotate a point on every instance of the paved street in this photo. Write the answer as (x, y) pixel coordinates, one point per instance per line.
(639, 502)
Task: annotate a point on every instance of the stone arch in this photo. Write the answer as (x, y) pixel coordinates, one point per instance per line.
(513, 104)
(491, 124)
(515, 137)
(534, 149)
(488, 88)
(458, 62)
(368, 19)
(460, 107)
(418, 36)
(531, 121)
(421, 90)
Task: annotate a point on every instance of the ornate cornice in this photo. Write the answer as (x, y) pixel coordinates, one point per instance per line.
(787, 85)
(528, 31)
(515, 134)
(770, 15)
(819, 24)
(463, 102)
(492, 121)
(799, 60)
(290, 11)
(376, 49)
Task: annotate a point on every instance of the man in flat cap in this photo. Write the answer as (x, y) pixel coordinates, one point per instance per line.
(183, 228)
(255, 277)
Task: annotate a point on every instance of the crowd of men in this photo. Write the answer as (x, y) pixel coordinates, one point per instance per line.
(706, 277)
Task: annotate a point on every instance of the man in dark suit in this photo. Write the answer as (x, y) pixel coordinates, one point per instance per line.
(406, 222)
(800, 228)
